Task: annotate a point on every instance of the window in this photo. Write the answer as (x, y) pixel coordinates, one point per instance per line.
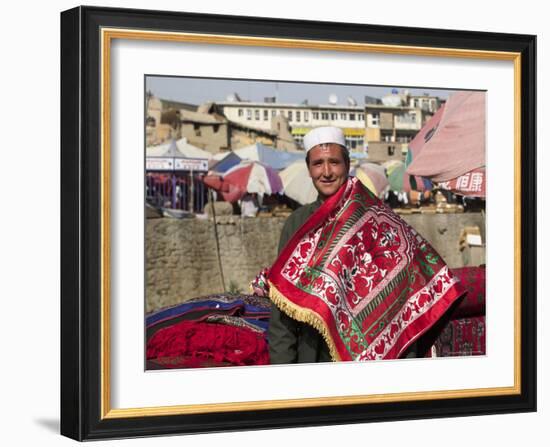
(315, 115)
(343, 116)
(391, 150)
(361, 117)
(333, 116)
(407, 118)
(375, 119)
(257, 115)
(248, 114)
(298, 117)
(306, 116)
(352, 116)
(241, 112)
(324, 115)
(354, 142)
(290, 115)
(266, 115)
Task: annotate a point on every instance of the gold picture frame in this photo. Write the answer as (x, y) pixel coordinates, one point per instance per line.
(87, 38)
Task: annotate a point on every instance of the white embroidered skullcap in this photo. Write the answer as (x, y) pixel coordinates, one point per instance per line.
(323, 135)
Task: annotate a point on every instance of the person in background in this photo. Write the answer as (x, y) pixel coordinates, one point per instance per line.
(250, 205)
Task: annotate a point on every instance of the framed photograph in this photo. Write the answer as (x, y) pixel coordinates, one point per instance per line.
(130, 150)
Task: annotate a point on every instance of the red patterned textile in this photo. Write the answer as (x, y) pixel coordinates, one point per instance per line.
(366, 280)
(195, 344)
(463, 336)
(473, 280)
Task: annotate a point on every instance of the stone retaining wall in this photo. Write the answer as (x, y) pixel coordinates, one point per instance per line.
(182, 254)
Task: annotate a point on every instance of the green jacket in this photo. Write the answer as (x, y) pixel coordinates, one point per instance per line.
(289, 340)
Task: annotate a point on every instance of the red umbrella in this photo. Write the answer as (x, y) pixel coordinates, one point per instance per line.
(229, 192)
(246, 177)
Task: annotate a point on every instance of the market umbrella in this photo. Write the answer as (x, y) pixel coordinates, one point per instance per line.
(470, 184)
(246, 177)
(223, 164)
(373, 177)
(414, 182)
(297, 183)
(276, 158)
(456, 145)
(417, 182)
(395, 172)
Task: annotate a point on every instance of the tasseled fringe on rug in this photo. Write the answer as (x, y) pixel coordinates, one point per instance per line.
(297, 313)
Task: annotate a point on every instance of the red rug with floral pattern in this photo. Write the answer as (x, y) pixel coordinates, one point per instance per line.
(365, 279)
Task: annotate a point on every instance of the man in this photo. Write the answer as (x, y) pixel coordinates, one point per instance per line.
(352, 280)
(328, 164)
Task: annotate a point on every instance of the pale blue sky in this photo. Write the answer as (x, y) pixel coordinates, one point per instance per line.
(199, 90)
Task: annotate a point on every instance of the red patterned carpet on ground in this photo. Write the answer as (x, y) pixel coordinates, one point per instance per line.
(225, 330)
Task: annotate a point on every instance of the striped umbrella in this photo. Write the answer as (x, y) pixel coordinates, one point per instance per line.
(246, 177)
(395, 171)
(373, 177)
(297, 183)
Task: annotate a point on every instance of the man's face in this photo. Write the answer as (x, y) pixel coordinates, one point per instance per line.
(327, 168)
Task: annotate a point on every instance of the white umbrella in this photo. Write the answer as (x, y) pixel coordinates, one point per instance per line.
(297, 183)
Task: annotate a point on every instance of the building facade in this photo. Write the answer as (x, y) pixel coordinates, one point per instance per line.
(300, 117)
(391, 124)
(159, 121)
(379, 130)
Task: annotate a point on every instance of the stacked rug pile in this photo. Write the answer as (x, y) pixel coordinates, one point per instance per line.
(231, 330)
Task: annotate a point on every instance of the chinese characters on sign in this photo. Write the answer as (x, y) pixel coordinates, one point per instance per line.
(471, 184)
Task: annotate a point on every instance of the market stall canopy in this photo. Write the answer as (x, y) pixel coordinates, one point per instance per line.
(297, 183)
(277, 159)
(424, 134)
(456, 144)
(176, 156)
(177, 149)
(223, 164)
(246, 177)
(471, 183)
(413, 182)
